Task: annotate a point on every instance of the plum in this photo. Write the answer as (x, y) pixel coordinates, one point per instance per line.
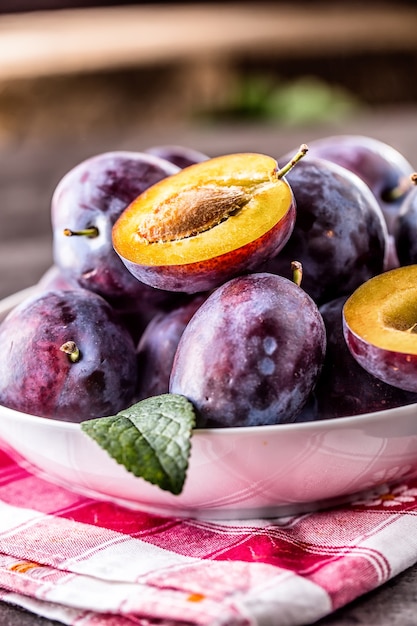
(251, 353)
(405, 228)
(66, 356)
(380, 323)
(344, 387)
(339, 236)
(381, 166)
(157, 347)
(182, 156)
(85, 205)
(212, 221)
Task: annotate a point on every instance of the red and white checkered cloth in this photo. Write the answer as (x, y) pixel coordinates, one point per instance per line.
(90, 563)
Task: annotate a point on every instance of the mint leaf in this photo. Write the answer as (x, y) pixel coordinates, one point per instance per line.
(152, 439)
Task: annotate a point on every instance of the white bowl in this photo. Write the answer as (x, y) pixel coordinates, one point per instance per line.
(234, 473)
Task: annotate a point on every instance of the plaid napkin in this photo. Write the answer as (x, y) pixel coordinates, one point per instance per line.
(90, 563)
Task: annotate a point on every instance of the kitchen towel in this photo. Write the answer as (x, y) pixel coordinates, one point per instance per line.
(85, 562)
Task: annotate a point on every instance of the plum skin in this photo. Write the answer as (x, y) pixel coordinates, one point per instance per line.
(340, 235)
(38, 378)
(157, 347)
(93, 194)
(251, 353)
(405, 230)
(344, 387)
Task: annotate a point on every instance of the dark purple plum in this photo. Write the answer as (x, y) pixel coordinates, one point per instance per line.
(344, 387)
(251, 353)
(340, 235)
(405, 229)
(182, 156)
(157, 347)
(381, 166)
(66, 356)
(85, 205)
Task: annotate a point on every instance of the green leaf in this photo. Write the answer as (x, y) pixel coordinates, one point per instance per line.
(151, 439)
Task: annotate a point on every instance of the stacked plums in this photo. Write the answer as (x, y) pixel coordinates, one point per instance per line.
(227, 280)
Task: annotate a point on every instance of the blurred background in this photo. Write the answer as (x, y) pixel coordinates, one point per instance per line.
(78, 78)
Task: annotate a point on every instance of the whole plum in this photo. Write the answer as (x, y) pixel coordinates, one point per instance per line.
(180, 155)
(344, 387)
(66, 356)
(251, 353)
(381, 166)
(405, 229)
(85, 205)
(157, 347)
(340, 235)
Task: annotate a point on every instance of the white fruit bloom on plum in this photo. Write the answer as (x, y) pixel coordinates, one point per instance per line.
(251, 354)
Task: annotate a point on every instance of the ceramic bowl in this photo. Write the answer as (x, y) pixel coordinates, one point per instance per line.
(235, 473)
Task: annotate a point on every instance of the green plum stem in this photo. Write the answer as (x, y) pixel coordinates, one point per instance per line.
(297, 272)
(92, 231)
(297, 157)
(71, 348)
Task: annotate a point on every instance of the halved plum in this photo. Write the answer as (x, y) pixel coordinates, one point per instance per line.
(380, 326)
(210, 222)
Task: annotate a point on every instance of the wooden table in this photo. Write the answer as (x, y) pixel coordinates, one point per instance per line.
(29, 172)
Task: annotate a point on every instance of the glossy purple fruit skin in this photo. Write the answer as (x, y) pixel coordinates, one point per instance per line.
(345, 388)
(251, 353)
(381, 166)
(157, 347)
(94, 193)
(340, 235)
(398, 369)
(182, 156)
(36, 377)
(405, 230)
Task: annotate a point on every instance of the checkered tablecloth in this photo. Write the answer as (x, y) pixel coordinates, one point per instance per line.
(90, 563)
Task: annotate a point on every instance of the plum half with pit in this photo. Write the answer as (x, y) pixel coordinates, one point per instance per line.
(85, 205)
(210, 222)
(380, 324)
(251, 353)
(66, 356)
(344, 387)
(339, 236)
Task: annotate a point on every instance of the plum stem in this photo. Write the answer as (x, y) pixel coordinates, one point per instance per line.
(398, 192)
(71, 348)
(297, 156)
(92, 231)
(297, 272)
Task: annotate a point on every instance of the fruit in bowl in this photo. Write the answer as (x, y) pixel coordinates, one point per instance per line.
(66, 356)
(381, 166)
(86, 203)
(339, 236)
(212, 221)
(251, 353)
(405, 228)
(380, 323)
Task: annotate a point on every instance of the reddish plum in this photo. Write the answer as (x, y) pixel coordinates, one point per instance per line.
(251, 353)
(66, 356)
(405, 229)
